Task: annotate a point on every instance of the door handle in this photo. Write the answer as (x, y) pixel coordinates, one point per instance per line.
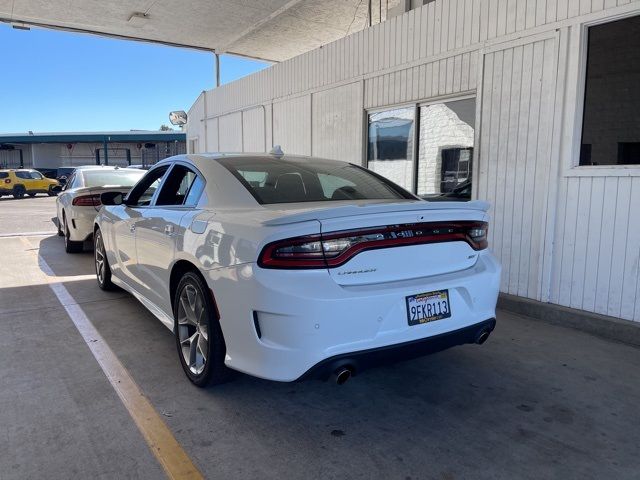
(168, 229)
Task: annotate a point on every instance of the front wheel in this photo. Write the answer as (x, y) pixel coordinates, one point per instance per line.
(103, 271)
(51, 192)
(18, 191)
(199, 339)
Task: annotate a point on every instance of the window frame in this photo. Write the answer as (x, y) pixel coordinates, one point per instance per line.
(414, 154)
(155, 194)
(576, 82)
(152, 204)
(416, 131)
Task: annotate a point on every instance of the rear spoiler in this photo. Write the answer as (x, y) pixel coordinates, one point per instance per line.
(366, 209)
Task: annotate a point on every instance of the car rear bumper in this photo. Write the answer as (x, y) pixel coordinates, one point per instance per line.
(81, 223)
(356, 362)
(279, 325)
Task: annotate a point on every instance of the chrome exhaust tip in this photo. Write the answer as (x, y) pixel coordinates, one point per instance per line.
(482, 337)
(342, 375)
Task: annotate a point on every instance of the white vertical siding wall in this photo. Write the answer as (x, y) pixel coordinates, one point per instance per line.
(336, 130)
(563, 234)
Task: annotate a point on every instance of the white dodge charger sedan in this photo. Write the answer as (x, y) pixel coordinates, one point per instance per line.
(289, 267)
(79, 201)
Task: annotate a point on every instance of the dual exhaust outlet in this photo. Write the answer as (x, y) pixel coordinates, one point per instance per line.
(342, 374)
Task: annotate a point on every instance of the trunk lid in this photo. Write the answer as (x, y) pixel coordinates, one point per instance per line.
(401, 262)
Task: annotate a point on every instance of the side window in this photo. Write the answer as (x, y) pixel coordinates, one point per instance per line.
(36, 175)
(177, 186)
(69, 181)
(194, 192)
(143, 192)
(4, 175)
(23, 175)
(76, 181)
(331, 183)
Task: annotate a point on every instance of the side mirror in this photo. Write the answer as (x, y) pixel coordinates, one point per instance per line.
(111, 198)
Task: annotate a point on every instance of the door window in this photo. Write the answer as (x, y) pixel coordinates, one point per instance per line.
(143, 192)
(180, 187)
(35, 175)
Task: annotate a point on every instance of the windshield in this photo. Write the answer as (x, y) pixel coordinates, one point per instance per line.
(301, 180)
(108, 178)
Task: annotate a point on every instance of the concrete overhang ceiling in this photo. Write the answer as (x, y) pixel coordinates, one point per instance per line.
(272, 30)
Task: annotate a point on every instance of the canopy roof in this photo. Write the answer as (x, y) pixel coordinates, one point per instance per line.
(266, 29)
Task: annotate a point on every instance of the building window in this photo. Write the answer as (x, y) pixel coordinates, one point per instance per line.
(390, 146)
(611, 118)
(445, 148)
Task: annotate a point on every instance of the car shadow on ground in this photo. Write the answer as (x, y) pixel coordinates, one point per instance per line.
(51, 250)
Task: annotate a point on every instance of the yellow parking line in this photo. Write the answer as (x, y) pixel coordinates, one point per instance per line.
(174, 460)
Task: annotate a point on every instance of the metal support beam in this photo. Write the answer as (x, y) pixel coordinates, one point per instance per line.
(217, 71)
(106, 152)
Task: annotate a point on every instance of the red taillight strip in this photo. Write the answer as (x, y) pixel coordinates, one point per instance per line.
(266, 259)
(87, 201)
(460, 233)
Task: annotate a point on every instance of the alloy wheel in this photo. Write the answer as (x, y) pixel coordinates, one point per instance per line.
(99, 258)
(193, 331)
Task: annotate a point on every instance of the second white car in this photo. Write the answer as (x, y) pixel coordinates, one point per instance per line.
(79, 201)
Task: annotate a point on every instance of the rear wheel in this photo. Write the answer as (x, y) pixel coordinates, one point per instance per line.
(70, 246)
(18, 191)
(103, 271)
(199, 339)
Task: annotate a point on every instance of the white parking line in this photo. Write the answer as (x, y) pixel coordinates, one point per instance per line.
(174, 460)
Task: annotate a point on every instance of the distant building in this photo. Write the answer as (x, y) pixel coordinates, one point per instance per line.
(54, 150)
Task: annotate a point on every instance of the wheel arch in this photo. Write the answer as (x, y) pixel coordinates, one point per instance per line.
(180, 267)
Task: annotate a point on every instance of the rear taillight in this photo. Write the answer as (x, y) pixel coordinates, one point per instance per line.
(336, 248)
(7, 180)
(87, 201)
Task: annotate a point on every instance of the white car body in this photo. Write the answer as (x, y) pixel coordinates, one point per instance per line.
(286, 324)
(80, 218)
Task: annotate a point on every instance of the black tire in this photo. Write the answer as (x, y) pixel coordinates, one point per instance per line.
(18, 191)
(215, 372)
(31, 194)
(70, 246)
(58, 225)
(104, 280)
(51, 193)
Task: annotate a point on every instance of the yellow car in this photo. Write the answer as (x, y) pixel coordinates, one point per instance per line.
(26, 182)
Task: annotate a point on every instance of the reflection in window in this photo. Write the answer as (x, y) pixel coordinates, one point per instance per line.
(445, 148)
(611, 124)
(390, 148)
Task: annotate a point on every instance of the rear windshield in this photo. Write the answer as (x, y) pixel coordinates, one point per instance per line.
(112, 178)
(291, 181)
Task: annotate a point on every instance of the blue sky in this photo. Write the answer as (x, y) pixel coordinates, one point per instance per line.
(55, 81)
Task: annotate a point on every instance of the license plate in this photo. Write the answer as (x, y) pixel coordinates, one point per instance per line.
(428, 307)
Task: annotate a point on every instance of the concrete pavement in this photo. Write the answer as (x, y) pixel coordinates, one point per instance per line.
(536, 401)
